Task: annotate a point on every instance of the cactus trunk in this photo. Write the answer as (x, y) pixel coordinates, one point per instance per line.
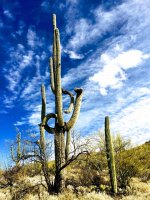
(59, 142)
(110, 156)
(67, 149)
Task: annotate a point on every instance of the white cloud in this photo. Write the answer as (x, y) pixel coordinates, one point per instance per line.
(35, 119)
(8, 101)
(21, 60)
(86, 32)
(45, 5)
(19, 123)
(8, 14)
(133, 121)
(112, 73)
(20, 28)
(31, 37)
(132, 15)
(73, 55)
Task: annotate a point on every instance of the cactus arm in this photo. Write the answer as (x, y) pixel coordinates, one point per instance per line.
(45, 120)
(58, 81)
(43, 110)
(52, 75)
(54, 47)
(76, 111)
(69, 110)
(43, 113)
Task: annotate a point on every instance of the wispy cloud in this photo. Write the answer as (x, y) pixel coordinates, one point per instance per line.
(19, 60)
(31, 37)
(8, 14)
(86, 31)
(133, 121)
(73, 55)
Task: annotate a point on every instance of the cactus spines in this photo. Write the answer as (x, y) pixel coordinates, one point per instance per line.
(17, 158)
(61, 127)
(110, 156)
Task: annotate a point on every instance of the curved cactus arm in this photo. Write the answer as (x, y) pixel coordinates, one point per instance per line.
(52, 75)
(45, 120)
(69, 110)
(58, 88)
(76, 111)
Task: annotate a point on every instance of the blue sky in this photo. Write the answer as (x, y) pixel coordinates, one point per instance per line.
(105, 50)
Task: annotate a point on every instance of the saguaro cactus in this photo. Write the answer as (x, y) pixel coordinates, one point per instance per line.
(17, 158)
(110, 156)
(61, 127)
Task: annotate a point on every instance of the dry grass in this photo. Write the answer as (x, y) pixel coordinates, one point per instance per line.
(137, 191)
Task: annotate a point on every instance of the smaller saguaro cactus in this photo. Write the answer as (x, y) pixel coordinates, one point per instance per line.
(16, 158)
(110, 156)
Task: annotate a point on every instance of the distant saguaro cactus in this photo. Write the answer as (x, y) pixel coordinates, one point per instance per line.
(61, 128)
(16, 158)
(110, 156)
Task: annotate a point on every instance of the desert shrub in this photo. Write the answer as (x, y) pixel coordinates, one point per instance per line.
(10, 176)
(133, 163)
(31, 169)
(126, 169)
(51, 167)
(82, 190)
(91, 171)
(24, 190)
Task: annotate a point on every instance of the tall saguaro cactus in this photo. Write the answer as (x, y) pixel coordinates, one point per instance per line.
(17, 158)
(62, 128)
(110, 156)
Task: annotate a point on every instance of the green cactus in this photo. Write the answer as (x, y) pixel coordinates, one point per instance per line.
(17, 158)
(61, 127)
(110, 156)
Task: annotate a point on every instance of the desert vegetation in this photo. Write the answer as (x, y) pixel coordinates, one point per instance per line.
(81, 169)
